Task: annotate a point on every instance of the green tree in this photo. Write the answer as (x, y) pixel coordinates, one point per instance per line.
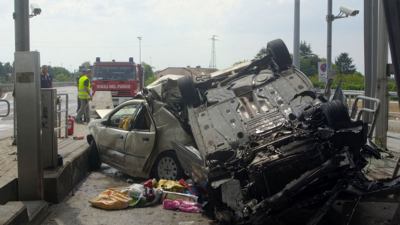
(308, 60)
(84, 65)
(309, 64)
(305, 49)
(60, 74)
(6, 71)
(148, 73)
(3, 74)
(344, 64)
(8, 68)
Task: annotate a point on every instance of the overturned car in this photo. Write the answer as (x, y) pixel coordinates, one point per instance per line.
(269, 147)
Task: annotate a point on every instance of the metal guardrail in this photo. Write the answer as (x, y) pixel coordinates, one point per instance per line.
(351, 95)
(10, 86)
(356, 92)
(8, 108)
(59, 114)
(357, 113)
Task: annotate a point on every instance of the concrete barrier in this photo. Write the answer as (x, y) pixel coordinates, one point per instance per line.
(60, 182)
(14, 213)
(9, 191)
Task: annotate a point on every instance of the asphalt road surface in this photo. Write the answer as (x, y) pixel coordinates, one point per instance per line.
(76, 210)
(6, 123)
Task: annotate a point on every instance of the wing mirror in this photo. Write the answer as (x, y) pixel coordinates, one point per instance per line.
(104, 122)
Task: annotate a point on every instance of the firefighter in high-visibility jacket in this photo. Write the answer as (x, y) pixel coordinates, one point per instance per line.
(84, 96)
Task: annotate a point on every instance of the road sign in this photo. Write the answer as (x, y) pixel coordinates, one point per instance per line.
(322, 72)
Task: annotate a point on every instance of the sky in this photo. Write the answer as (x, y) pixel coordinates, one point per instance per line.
(177, 32)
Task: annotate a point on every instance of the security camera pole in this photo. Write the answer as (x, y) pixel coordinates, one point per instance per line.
(21, 17)
(344, 12)
(296, 37)
(27, 107)
(329, 19)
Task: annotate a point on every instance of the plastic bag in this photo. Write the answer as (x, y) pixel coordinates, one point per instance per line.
(170, 185)
(136, 192)
(143, 196)
(171, 204)
(151, 183)
(184, 206)
(111, 199)
(189, 207)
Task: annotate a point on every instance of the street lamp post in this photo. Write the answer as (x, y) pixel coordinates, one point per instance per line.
(329, 20)
(344, 13)
(140, 60)
(140, 49)
(296, 37)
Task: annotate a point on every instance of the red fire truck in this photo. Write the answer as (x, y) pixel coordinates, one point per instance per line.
(123, 79)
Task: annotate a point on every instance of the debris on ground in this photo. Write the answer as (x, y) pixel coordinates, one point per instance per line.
(170, 185)
(78, 137)
(111, 199)
(172, 194)
(179, 196)
(182, 205)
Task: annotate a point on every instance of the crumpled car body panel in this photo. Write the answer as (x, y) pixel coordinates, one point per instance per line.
(269, 147)
(277, 152)
(251, 105)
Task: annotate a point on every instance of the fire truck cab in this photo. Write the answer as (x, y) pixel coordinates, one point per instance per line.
(124, 79)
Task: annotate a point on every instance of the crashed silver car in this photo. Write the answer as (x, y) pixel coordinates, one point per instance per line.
(269, 148)
(137, 138)
(274, 151)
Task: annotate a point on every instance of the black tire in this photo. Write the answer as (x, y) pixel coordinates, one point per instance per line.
(280, 54)
(174, 173)
(336, 114)
(94, 158)
(190, 95)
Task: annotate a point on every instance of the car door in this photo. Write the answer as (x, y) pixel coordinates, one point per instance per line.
(111, 139)
(140, 140)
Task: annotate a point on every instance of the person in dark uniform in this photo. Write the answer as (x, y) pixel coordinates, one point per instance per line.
(46, 81)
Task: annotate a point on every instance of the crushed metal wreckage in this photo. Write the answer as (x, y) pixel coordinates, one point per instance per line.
(271, 149)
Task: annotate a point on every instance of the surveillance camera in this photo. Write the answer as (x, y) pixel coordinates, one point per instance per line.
(348, 12)
(35, 9)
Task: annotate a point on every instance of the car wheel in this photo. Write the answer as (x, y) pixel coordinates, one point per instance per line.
(280, 54)
(94, 158)
(189, 92)
(167, 167)
(336, 114)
